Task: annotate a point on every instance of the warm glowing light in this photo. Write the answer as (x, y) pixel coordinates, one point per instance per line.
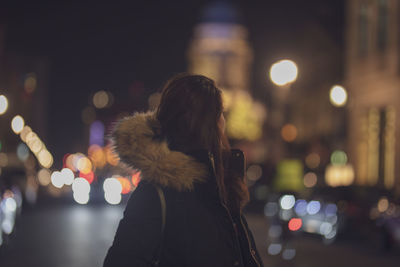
(310, 179)
(84, 165)
(126, 185)
(97, 156)
(383, 204)
(25, 132)
(339, 175)
(67, 176)
(313, 160)
(3, 104)
(135, 179)
(45, 158)
(283, 72)
(100, 99)
(289, 132)
(17, 124)
(44, 177)
(57, 179)
(69, 162)
(338, 96)
(295, 224)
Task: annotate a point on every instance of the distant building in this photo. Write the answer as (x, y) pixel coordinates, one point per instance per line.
(220, 50)
(373, 81)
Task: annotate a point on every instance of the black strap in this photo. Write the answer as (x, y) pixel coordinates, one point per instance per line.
(160, 192)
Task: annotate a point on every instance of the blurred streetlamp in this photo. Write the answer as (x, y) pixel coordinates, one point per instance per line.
(284, 72)
(338, 96)
(3, 104)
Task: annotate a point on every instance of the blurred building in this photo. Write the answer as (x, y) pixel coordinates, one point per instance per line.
(220, 50)
(373, 81)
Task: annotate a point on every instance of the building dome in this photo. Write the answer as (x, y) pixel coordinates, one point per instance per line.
(221, 12)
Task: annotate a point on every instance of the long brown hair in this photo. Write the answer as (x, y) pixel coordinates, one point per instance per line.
(189, 113)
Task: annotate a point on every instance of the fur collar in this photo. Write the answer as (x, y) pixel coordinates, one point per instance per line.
(135, 142)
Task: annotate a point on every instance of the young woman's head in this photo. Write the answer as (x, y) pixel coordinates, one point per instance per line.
(190, 113)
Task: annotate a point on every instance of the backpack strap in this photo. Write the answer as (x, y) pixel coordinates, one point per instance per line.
(156, 260)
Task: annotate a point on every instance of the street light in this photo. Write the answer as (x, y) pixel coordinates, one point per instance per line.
(3, 104)
(17, 124)
(338, 96)
(283, 72)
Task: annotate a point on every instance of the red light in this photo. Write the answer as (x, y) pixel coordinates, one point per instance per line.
(295, 224)
(88, 176)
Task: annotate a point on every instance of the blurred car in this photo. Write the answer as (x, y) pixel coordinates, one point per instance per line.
(329, 213)
(10, 201)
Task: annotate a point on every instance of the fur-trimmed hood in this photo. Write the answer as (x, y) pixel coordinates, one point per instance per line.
(135, 142)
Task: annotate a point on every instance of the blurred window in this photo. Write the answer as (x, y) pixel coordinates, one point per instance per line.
(383, 23)
(363, 29)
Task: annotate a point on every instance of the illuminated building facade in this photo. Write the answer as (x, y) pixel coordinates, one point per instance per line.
(220, 50)
(373, 81)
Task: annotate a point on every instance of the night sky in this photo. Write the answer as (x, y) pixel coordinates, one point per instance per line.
(95, 46)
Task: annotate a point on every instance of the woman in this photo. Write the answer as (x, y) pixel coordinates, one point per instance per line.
(181, 148)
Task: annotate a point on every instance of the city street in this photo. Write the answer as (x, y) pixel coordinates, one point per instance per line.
(75, 235)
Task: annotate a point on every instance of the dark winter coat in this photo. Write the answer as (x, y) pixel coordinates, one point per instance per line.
(199, 229)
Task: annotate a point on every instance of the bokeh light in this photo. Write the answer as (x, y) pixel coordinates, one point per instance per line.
(81, 190)
(30, 83)
(310, 179)
(44, 177)
(25, 131)
(295, 224)
(313, 160)
(17, 124)
(3, 104)
(45, 158)
(22, 152)
(84, 165)
(289, 132)
(283, 72)
(313, 207)
(57, 179)
(339, 175)
(113, 199)
(101, 99)
(135, 178)
(254, 172)
(126, 185)
(274, 249)
(67, 176)
(112, 186)
(338, 157)
(383, 204)
(338, 96)
(287, 202)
